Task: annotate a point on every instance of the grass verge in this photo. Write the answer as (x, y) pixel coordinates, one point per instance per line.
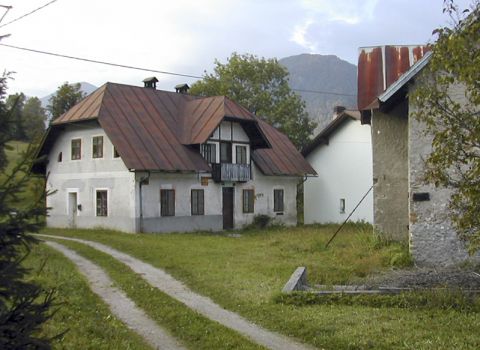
(88, 320)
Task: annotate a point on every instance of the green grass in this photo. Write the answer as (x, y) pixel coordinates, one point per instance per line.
(194, 330)
(246, 274)
(88, 320)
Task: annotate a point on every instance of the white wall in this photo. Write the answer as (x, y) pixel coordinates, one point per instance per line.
(84, 177)
(344, 168)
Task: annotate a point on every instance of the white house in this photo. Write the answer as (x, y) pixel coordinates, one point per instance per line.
(143, 160)
(341, 154)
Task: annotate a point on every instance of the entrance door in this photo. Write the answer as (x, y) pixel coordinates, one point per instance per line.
(227, 208)
(72, 209)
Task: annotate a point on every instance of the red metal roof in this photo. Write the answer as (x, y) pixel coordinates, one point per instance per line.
(379, 67)
(156, 130)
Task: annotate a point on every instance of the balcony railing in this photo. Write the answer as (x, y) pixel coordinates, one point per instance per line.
(230, 172)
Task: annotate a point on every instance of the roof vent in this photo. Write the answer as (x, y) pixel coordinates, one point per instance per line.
(182, 88)
(151, 82)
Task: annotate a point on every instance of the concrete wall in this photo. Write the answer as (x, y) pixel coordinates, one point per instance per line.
(83, 177)
(390, 171)
(344, 168)
(433, 239)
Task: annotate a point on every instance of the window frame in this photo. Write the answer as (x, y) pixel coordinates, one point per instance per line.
(278, 207)
(209, 149)
(101, 213)
(167, 196)
(243, 154)
(248, 201)
(228, 145)
(97, 155)
(197, 203)
(73, 155)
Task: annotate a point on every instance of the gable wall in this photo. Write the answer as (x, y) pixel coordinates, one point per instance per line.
(344, 169)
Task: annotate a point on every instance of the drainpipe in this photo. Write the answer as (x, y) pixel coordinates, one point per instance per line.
(143, 180)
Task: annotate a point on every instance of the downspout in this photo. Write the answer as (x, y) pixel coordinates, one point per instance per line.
(143, 180)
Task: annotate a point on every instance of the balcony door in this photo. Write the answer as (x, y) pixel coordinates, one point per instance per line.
(227, 207)
(225, 152)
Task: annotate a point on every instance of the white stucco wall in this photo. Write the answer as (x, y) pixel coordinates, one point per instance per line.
(344, 168)
(84, 177)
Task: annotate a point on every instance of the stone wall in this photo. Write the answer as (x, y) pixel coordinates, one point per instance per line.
(390, 171)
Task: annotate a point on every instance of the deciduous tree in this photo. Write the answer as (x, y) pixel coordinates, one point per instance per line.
(66, 96)
(260, 85)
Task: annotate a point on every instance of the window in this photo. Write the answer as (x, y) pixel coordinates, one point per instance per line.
(76, 149)
(167, 202)
(115, 153)
(278, 200)
(342, 205)
(102, 206)
(60, 157)
(97, 147)
(248, 201)
(209, 152)
(197, 202)
(241, 154)
(225, 152)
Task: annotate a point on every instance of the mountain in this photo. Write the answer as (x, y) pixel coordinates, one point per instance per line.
(85, 87)
(326, 73)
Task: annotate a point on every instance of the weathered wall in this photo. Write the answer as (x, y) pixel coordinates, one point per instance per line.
(390, 171)
(344, 169)
(433, 239)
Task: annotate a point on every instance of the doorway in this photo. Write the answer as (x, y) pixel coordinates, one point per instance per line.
(72, 209)
(227, 207)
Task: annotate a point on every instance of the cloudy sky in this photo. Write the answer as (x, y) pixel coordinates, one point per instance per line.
(186, 36)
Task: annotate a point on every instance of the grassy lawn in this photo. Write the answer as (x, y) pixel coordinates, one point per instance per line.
(246, 274)
(87, 319)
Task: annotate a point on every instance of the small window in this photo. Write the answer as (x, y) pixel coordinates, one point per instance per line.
(60, 157)
(248, 201)
(241, 154)
(102, 203)
(76, 149)
(342, 205)
(209, 151)
(115, 153)
(198, 207)
(225, 152)
(167, 202)
(97, 147)
(278, 200)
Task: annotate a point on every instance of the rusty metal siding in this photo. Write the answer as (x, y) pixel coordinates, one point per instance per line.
(370, 76)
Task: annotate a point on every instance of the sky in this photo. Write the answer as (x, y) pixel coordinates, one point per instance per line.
(187, 36)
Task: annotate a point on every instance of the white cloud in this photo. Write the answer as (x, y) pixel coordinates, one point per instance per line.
(299, 36)
(347, 11)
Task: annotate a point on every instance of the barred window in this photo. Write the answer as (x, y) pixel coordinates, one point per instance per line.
(248, 201)
(209, 151)
(198, 205)
(97, 147)
(277, 200)
(102, 203)
(241, 154)
(167, 202)
(76, 149)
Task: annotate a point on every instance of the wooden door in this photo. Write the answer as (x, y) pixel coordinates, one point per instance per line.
(227, 208)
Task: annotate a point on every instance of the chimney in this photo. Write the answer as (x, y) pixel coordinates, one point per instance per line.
(182, 88)
(150, 83)
(337, 111)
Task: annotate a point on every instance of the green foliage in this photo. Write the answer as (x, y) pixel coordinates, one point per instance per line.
(23, 305)
(27, 117)
(260, 85)
(15, 105)
(66, 96)
(454, 118)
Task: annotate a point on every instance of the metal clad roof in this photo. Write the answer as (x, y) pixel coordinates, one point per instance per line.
(379, 67)
(154, 130)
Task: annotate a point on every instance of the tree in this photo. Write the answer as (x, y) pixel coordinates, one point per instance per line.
(260, 85)
(33, 118)
(453, 118)
(66, 96)
(24, 306)
(15, 105)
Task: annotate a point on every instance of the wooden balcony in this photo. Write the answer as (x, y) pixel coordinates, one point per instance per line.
(227, 172)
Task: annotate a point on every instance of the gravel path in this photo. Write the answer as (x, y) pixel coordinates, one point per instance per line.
(120, 305)
(205, 306)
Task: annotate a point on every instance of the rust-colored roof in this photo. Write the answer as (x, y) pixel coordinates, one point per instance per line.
(157, 130)
(283, 158)
(379, 67)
